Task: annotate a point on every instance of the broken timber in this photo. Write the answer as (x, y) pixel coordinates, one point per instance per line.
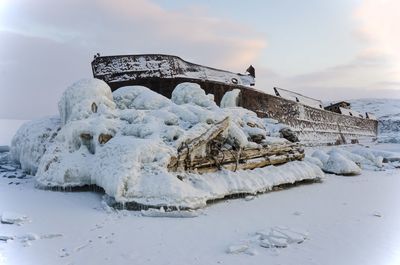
(217, 156)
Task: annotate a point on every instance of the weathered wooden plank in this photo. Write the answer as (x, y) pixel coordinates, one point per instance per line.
(251, 164)
(200, 141)
(227, 156)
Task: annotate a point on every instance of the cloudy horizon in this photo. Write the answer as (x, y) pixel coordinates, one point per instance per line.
(330, 50)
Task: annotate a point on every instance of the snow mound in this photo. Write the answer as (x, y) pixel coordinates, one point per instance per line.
(321, 155)
(139, 97)
(83, 98)
(340, 165)
(123, 142)
(192, 93)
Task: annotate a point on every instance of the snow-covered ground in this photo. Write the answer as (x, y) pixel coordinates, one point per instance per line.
(342, 220)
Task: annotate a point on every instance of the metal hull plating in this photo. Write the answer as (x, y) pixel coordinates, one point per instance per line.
(161, 73)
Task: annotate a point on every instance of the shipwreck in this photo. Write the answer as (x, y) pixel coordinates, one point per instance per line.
(308, 118)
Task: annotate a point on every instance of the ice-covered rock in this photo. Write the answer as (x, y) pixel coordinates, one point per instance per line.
(340, 165)
(288, 134)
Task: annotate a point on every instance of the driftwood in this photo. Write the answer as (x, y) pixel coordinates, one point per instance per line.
(195, 144)
(217, 156)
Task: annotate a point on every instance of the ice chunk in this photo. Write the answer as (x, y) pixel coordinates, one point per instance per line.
(340, 165)
(273, 242)
(369, 156)
(322, 156)
(13, 218)
(238, 136)
(230, 99)
(171, 214)
(280, 237)
(387, 155)
(6, 238)
(314, 160)
(236, 249)
(351, 156)
(29, 237)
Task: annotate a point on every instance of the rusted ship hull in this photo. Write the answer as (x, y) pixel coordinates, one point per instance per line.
(161, 73)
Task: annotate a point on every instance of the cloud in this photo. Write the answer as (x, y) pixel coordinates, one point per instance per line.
(46, 45)
(380, 22)
(137, 26)
(375, 69)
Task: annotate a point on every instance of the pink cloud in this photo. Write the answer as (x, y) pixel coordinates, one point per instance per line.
(46, 44)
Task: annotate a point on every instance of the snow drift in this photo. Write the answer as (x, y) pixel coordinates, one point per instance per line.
(124, 141)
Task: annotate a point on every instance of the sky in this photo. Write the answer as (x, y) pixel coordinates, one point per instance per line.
(330, 50)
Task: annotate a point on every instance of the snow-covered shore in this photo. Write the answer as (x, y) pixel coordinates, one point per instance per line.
(347, 220)
(340, 220)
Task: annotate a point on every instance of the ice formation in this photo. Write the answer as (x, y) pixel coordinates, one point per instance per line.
(339, 164)
(32, 141)
(230, 99)
(124, 141)
(350, 160)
